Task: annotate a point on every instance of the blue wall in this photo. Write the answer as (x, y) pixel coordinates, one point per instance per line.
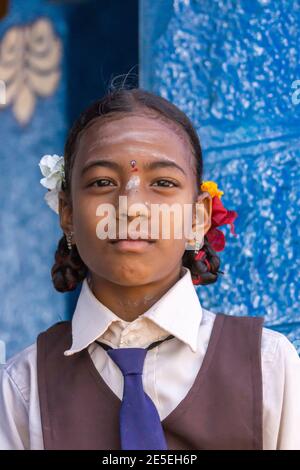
(29, 231)
(99, 40)
(230, 66)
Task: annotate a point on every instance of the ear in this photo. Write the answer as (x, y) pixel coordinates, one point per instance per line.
(204, 206)
(201, 221)
(65, 212)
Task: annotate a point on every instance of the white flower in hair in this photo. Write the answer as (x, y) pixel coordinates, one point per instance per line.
(52, 168)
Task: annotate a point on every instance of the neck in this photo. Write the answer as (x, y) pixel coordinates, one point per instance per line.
(129, 302)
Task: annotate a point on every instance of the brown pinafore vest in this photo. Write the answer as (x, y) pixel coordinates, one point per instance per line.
(222, 409)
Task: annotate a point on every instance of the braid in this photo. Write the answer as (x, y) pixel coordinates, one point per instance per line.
(205, 269)
(68, 269)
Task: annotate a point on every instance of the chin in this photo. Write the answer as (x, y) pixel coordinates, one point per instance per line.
(137, 275)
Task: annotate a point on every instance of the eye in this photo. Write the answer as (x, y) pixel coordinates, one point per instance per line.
(164, 183)
(102, 182)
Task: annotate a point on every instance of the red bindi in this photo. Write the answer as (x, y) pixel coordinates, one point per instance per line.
(133, 165)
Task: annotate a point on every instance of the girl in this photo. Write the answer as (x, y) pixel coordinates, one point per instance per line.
(143, 365)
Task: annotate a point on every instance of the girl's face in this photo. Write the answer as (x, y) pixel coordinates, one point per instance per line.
(147, 161)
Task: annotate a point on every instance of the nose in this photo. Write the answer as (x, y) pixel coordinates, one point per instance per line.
(132, 203)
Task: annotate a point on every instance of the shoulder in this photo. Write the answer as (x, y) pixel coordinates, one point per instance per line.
(208, 316)
(280, 364)
(275, 346)
(20, 371)
(58, 330)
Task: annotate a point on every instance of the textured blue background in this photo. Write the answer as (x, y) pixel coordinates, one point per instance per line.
(230, 66)
(29, 231)
(100, 40)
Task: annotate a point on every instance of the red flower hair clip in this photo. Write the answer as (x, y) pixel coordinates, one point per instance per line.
(220, 216)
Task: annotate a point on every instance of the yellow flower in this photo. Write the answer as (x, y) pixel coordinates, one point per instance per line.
(212, 188)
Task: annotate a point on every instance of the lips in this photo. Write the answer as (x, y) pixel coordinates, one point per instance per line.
(131, 239)
(129, 245)
(117, 240)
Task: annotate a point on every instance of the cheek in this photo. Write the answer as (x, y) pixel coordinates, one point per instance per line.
(175, 225)
(85, 221)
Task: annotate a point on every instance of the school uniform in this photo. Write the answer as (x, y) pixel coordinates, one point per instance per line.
(222, 382)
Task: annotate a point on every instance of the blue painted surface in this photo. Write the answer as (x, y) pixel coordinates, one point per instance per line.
(230, 66)
(29, 230)
(99, 41)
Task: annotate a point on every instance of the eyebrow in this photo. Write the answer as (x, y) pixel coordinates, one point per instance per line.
(147, 165)
(101, 163)
(163, 164)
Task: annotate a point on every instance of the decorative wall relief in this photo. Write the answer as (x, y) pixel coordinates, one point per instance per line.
(30, 58)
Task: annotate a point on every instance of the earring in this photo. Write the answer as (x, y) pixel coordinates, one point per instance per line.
(69, 240)
(198, 246)
(89, 281)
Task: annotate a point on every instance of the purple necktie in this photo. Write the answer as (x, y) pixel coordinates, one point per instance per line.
(140, 426)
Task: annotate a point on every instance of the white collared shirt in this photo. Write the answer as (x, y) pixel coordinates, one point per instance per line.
(169, 369)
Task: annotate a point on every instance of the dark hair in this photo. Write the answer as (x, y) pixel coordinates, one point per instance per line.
(69, 269)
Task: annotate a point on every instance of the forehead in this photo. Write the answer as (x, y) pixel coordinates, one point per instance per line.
(134, 134)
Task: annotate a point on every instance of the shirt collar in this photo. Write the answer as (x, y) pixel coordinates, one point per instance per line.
(178, 311)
